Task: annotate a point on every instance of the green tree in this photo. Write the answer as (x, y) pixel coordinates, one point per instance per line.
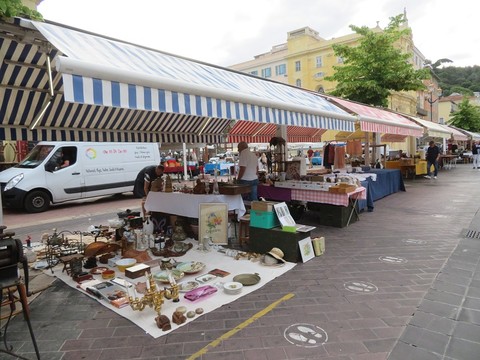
(375, 68)
(467, 116)
(12, 8)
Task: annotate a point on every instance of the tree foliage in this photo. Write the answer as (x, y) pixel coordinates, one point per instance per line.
(375, 68)
(12, 8)
(467, 116)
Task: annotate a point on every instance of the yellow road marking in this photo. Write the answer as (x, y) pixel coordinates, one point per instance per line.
(243, 325)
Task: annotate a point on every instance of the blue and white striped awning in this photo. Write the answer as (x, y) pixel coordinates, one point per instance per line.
(112, 89)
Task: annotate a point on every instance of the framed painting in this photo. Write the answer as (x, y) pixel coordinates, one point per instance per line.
(306, 249)
(213, 222)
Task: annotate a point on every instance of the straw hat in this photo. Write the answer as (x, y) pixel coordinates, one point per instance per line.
(277, 254)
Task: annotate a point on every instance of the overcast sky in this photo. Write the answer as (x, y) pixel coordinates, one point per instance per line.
(225, 32)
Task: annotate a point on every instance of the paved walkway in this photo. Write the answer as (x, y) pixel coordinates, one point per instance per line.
(402, 283)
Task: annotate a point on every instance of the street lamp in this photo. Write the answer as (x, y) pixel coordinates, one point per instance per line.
(431, 101)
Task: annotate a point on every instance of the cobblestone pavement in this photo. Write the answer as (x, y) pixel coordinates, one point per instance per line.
(402, 283)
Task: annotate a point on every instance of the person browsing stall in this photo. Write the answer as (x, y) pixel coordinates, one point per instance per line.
(476, 154)
(433, 155)
(143, 182)
(310, 156)
(248, 169)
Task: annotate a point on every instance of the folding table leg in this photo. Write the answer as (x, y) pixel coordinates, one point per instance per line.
(354, 209)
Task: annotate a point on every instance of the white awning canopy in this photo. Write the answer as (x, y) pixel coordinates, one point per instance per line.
(433, 129)
(103, 84)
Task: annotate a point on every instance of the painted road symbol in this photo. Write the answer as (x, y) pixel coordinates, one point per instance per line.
(392, 259)
(361, 287)
(305, 335)
(414, 242)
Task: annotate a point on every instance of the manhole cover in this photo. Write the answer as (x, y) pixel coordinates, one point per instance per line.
(392, 259)
(360, 287)
(305, 335)
(414, 242)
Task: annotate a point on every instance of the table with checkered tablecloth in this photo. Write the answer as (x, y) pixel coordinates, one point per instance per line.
(326, 197)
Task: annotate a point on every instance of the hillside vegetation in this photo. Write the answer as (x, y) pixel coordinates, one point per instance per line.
(463, 80)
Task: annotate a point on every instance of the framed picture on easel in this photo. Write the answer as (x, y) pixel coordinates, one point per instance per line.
(213, 222)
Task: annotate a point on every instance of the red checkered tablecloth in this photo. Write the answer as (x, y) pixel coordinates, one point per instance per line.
(326, 197)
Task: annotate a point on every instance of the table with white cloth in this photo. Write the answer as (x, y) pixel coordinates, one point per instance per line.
(188, 204)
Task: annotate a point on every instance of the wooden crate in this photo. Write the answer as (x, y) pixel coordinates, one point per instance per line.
(342, 189)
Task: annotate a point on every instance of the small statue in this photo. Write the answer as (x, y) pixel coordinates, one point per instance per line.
(163, 322)
(178, 318)
(199, 187)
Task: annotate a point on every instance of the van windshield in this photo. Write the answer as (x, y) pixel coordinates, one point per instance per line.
(36, 156)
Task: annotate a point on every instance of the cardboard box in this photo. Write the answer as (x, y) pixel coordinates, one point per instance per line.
(262, 205)
(136, 271)
(263, 219)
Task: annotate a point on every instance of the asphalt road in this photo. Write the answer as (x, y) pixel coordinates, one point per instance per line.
(72, 216)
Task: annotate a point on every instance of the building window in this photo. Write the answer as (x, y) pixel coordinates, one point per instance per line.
(298, 83)
(318, 61)
(254, 72)
(280, 69)
(319, 75)
(339, 60)
(267, 72)
(298, 66)
(441, 121)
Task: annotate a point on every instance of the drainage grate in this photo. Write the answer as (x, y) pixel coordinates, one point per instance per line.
(471, 234)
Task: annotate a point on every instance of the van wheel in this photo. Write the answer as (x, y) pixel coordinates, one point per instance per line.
(37, 201)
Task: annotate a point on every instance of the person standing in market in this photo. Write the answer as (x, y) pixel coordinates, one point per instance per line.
(310, 156)
(248, 169)
(476, 154)
(432, 156)
(143, 182)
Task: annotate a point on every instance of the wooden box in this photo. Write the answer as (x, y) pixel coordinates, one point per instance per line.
(233, 189)
(342, 188)
(263, 240)
(136, 271)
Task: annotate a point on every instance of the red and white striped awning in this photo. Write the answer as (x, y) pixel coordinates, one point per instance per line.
(262, 133)
(379, 120)
(393, 138)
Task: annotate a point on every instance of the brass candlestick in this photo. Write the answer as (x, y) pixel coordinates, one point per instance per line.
(153, 296)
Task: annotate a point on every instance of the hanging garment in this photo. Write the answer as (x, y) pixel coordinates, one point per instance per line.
(339, 157)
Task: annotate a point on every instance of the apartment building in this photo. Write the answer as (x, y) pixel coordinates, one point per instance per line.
(306, 58)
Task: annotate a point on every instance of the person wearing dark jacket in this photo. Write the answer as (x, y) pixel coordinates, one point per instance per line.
(476, 154)
(433, 154)
(143, 182)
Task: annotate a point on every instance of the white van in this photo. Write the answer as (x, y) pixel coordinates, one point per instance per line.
(55, 172)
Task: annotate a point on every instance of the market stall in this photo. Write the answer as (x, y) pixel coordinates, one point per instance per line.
(201, 282)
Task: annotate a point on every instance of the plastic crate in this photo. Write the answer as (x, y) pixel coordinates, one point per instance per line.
(263, 219)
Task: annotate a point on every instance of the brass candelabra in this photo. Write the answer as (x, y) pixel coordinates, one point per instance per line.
(154, 297)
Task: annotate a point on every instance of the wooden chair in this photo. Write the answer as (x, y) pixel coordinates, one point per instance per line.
(11, 253)
(244, 230)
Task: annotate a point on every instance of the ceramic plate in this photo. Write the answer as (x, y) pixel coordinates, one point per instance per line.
(98, 270)
(188, 285)
(205, 278)
(162, 276)
(190, 267)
